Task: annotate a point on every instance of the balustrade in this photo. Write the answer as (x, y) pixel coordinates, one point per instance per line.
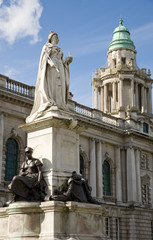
(89, 112)
(18, 88)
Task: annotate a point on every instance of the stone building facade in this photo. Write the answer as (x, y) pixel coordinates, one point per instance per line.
(16, 100)
(116, 146)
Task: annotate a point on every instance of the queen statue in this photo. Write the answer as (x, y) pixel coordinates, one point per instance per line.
(52, 85)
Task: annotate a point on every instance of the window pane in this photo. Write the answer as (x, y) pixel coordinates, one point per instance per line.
(82, 166)
(145, 127)
(106, 178)
(11, 159)
(107, 228)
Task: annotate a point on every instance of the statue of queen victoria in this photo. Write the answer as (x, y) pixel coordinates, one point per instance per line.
(52, 85)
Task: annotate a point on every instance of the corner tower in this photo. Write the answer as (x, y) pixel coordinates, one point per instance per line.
(122, 86)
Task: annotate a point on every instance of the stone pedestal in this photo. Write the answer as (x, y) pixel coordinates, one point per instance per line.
(52, 221)
(55, 140)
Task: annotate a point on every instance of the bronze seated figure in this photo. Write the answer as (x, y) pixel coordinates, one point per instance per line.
(77, 190)
(29, 185)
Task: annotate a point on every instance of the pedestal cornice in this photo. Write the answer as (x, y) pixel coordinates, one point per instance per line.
(54, 121)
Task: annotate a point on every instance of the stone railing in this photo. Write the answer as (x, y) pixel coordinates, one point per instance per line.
(94, 114)
(83, 110)
(16, 87)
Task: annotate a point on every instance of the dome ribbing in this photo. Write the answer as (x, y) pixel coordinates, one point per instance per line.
(121, 38)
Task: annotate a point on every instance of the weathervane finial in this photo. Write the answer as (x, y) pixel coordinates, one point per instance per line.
(121, 21)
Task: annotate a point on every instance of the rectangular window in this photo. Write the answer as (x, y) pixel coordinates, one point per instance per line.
(145, 127)
(117, 229)
(123, 60)
(107, 226)
(114, 60)
(145, 194)
(144, 161)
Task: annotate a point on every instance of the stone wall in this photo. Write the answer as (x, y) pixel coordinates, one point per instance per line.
(134, 223)
(16, 101)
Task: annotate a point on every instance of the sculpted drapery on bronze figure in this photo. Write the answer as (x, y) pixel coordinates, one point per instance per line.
(29, 185)
(52, 85)
(77, 190)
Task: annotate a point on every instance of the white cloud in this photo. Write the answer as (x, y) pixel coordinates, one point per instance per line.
(10, 72)
(144, 28)
(1, 1)
(143, 34)
(90, 45)
(84, 98)
(20, 19)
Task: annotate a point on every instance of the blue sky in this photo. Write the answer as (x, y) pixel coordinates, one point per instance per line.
(85, 30)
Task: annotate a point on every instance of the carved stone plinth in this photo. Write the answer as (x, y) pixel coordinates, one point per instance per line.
(52, 220)
(55, 140)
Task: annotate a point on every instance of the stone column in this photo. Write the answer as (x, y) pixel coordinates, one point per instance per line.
(118, 175)
(121, 93)
(132, 92)
(131, 175)
(96, 97)
(136, 96)
(149, 100)
(105, 99)
(138, 178)
(102, 98)
(1, 142)
(99, 170)
(145, 99)
(92, 167)
(142, 98)
(114, 96)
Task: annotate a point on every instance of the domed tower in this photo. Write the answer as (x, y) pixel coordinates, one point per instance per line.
(122, 86)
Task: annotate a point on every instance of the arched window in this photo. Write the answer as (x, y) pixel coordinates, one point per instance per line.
(106, 179)
(11, 159)
(82, 168)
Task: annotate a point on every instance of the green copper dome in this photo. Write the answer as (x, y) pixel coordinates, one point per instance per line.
(121, 38)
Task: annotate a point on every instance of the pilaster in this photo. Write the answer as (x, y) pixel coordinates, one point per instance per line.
(138, 179)
(118, 175)
(92, 179)
(131, 175)
(124, 174)
(99, 170)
